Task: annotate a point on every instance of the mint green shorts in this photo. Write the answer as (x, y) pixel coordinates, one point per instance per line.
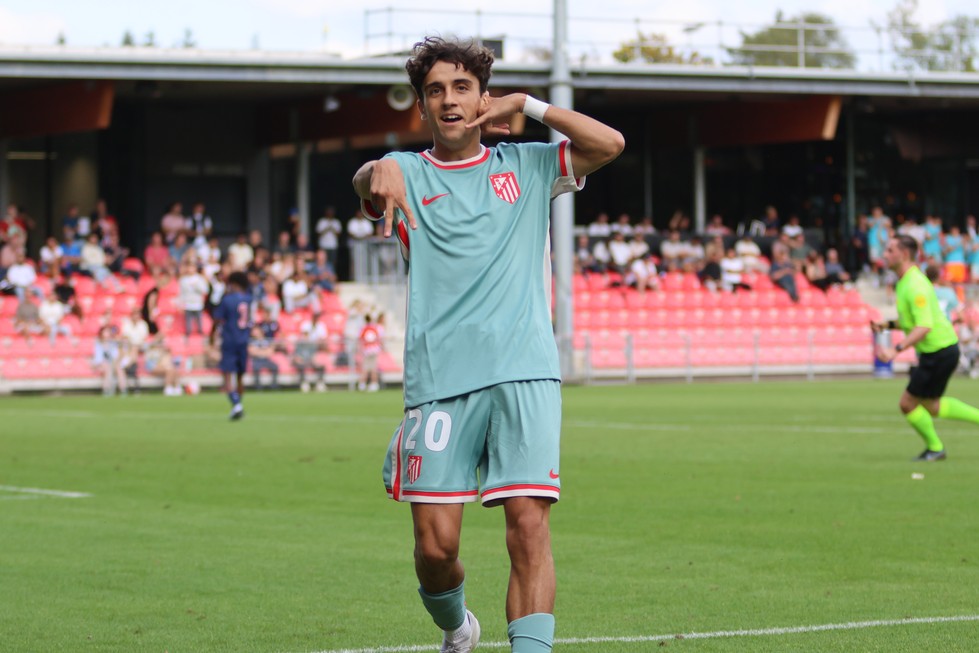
(491, 444)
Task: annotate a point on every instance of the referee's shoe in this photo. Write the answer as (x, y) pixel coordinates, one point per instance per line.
(929, 456)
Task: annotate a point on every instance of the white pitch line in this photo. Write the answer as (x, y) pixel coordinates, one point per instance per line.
(61, 494)
(760, 632)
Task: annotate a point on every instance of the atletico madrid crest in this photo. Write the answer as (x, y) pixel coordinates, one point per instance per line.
(505, 186)
(414, 468)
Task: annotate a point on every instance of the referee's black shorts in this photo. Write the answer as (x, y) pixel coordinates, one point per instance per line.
(930, 377)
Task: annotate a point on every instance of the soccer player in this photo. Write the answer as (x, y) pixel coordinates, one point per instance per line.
(482, 395)
(233, 317)
(931, 334)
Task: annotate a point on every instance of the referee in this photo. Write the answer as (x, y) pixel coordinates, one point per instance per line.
(926, 329)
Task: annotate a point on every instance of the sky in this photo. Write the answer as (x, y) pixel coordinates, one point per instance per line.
(344, 27)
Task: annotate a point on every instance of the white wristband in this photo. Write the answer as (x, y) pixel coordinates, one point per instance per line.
(534, 108)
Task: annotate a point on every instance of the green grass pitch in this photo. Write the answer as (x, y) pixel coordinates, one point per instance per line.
(685, 508)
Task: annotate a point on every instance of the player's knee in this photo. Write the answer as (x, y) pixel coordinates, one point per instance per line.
(528, 531)
(434, 553)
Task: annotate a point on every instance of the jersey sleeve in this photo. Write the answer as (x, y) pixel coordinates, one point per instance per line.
(921, 315)
(553, 162)
(366, 206)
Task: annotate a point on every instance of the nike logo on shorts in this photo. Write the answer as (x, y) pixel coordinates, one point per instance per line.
(428, 200)
(553, 475)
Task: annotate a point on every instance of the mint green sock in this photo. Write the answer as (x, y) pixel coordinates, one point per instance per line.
(920, 420)
(532, 634)
(951, 408)
(448, 609)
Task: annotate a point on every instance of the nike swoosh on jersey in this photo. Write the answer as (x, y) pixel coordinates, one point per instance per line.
(428, 200)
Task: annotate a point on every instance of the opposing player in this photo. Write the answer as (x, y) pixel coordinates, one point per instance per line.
(233, 317)
(931, 334)
(482, 382)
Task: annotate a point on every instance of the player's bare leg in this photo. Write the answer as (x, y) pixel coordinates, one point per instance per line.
(234, 396)
(530, 595)
(441, 574)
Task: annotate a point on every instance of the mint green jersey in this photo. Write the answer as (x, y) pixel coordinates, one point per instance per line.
(479, 283)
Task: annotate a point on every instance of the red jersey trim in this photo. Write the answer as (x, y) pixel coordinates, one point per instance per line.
(563, 155)
(368, 208)
(549, 489)
(403, 235)
(457, 165)
(396, 486)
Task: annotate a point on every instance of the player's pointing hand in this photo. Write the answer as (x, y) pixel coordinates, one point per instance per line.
(388, 192)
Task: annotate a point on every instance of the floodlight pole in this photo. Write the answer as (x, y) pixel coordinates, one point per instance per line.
(562, 208)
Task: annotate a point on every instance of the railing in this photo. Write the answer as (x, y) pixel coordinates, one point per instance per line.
(526, 37)
(377, 261)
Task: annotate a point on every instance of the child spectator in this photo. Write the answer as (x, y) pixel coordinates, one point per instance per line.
(313, 339)
(371, 346)
(192, 293)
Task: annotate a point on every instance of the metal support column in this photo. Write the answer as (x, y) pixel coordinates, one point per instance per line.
(562, 208)
(302, 185)
(647, 169)
(4, 176)
(699, 190)
(851, 185)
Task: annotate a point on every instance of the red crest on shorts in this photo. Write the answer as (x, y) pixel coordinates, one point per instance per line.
(505, 186)
(414, 468)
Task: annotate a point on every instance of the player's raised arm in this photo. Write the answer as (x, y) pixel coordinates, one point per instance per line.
(593, 144)
(383, 185)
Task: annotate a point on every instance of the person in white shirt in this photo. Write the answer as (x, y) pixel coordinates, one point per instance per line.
(732, 268)
(51, 255)
(93, 261)
(639, 246)
(359, 227)
(20, 276)
(240, 253)
(643, 274)
(600, 228)
(673, 251)
(749, 252)
(621, 252)
(623, 226)
(199, 226)
(793, 229)
(645, 227)
(52, 312)
(328, 230)
(296, 292)
(313, 340)
(193, 289)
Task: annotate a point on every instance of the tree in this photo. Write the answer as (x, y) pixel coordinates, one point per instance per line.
(655, 48)
(149, 41)
(188, 41)
(127, 39)
(778, 44)
(951, 45)
(61, 40)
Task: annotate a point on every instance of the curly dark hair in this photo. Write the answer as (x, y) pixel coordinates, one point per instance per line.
(239, 279)
(473, 58)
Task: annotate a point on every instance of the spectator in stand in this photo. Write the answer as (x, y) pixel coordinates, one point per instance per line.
(284, 244)
(313, 339)
(623, 225)
(645, 227)
(304, 251)
(972, 252)
(953, 251)
(75, 221)
(815, 270)
(106, 359)
(714, 248)
(716, 227)
(371, 346)
(93, 262)
(359, 227)
(193, 290)
(835, 271)
(782, 273)
(115, 256)
(948, 300)
(212, 253)
(359, 230)
(643, 274)
(297, 293)
(910, 227)
(282, 267)
(27, 318)
(260, 352)
(199, 227)
(159, 362)
(673, 251)
(133, 336)
(173, 223)
(679, 221)
(710, 274)
(771, 221)
(181, 251)
(602, 256)
(970, 228)
(639, 247)
(621, 253)
(321, 271)
(256, 240)
(793, 230)
(695, 257)
(20, 276)
(269, 298)
(8, 254)
(64, 288)
(104, 223)
(13, 224)
(51, 254)
(52, 313)
(732, 271)
(156, 256)
(859, 244)
(584, 259)
(151, 303)
(600, 228)
(240, 253)
(328, 231)
(71, 250)
(799, 251)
